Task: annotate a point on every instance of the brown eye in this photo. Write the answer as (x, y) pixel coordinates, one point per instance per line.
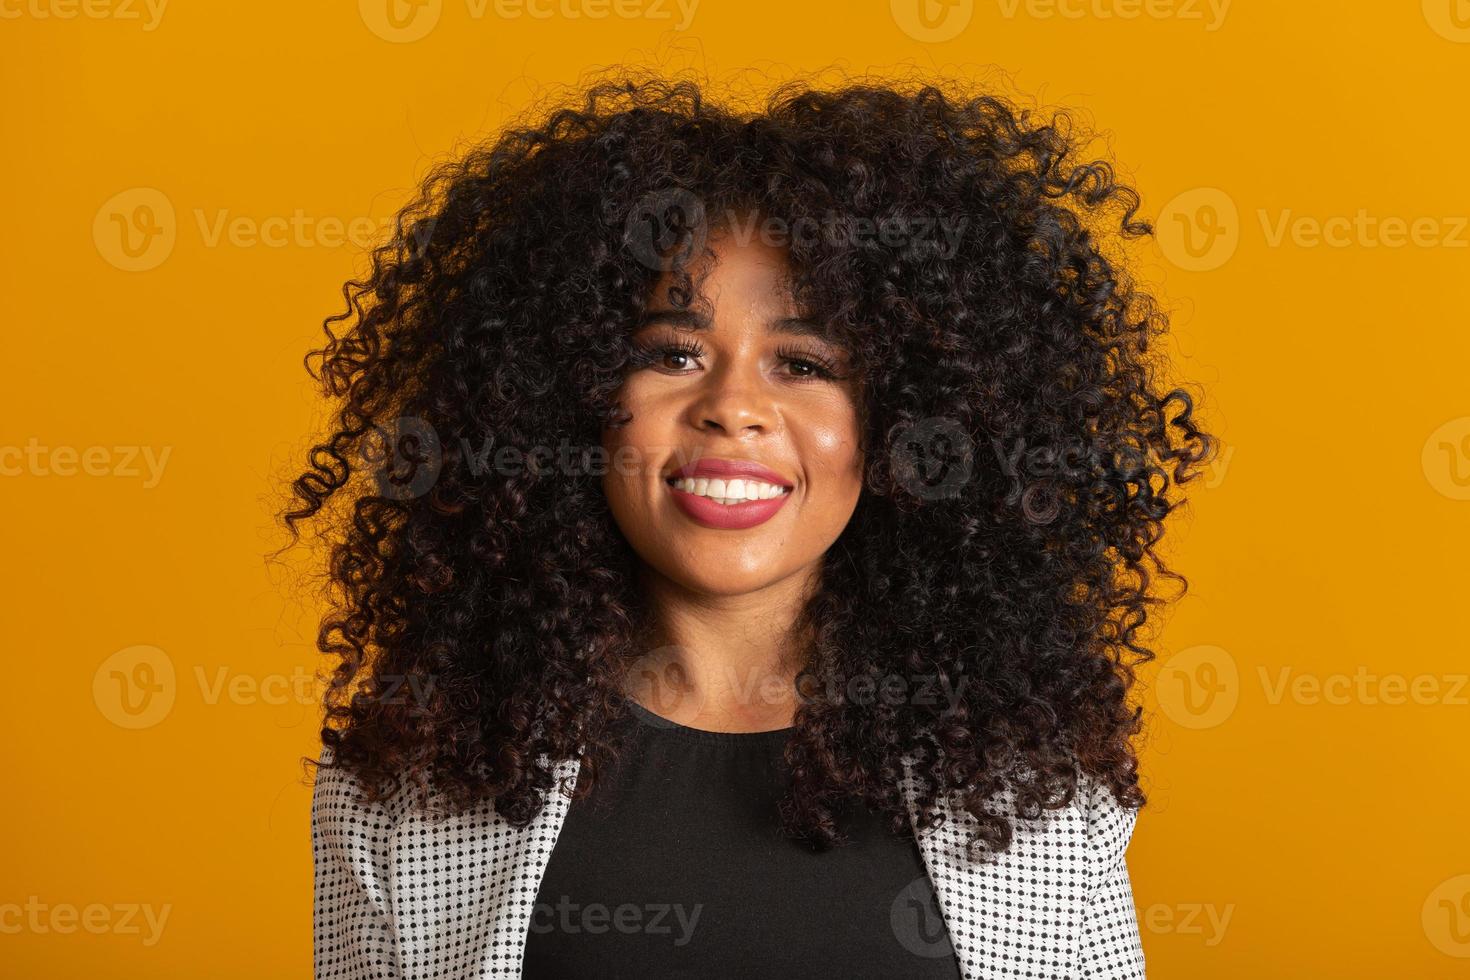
(666, 355)
(805, 369)
(809, 365)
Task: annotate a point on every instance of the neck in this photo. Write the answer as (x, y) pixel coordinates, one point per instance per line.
(725, 663)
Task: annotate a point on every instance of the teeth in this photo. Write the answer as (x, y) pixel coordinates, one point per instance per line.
(729, 491)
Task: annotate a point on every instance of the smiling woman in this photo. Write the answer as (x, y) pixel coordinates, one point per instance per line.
(743, 422)
(675, 715)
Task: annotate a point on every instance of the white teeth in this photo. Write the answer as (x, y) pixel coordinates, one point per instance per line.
(731, 491)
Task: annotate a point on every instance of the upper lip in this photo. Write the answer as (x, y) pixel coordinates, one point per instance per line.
(710, 466)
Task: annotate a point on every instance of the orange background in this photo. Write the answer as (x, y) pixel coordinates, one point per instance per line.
(1305, 161)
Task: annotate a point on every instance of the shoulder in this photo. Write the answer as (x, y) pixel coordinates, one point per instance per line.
(1086, 839)
(1109, 823)
(343, 821)
(1088, 835)
(1108, 826)
(1059, 885)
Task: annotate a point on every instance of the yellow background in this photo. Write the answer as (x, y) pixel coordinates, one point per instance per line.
(1289, 834)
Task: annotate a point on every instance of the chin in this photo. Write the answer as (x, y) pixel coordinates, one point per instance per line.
(709, 579)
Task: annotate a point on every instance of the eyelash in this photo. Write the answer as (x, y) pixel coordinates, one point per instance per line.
(649, 354)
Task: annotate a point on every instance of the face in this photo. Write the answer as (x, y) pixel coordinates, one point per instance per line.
(734, 398)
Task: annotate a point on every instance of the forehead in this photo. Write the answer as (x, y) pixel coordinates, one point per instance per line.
(696, 321)
(737, 272)
(737, 277)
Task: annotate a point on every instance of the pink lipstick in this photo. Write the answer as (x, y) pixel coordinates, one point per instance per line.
(697, 486)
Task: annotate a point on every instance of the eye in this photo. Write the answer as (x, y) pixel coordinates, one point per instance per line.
(664, 353)
(809, 365)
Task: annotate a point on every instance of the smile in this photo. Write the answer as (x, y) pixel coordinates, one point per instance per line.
(728, 494)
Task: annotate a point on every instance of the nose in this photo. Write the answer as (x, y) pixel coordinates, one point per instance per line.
(733, 400)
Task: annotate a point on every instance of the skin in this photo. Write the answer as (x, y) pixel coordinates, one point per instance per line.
(723, 600)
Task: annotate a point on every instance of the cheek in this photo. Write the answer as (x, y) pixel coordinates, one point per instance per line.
(630, 449)
(832, 445)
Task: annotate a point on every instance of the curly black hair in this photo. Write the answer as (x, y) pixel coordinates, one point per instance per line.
(1021, 452)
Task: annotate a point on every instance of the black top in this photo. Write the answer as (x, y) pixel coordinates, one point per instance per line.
(674, 867)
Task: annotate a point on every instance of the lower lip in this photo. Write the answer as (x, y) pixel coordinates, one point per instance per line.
(727, 517)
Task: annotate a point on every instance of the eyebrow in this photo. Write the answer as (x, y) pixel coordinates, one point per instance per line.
(795, 326)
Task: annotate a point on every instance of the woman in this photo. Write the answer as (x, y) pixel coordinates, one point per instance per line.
(753, 515)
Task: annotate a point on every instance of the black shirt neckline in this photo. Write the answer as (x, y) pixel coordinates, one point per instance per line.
(659, 723)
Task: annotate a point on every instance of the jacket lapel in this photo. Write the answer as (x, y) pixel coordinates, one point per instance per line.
(1014, 914)
(465, 907)
(464, 902)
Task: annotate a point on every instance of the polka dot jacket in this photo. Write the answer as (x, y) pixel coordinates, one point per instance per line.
(405, 895)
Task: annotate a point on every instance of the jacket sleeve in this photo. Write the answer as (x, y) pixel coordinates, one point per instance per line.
(1110, 947)
(353, 932)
